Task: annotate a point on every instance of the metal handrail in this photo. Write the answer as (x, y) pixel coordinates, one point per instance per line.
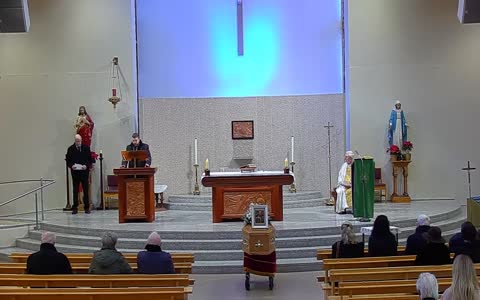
(27, 180)
(43, 184)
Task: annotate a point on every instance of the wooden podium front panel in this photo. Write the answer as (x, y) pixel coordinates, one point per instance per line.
(135, 195)
(237, 200)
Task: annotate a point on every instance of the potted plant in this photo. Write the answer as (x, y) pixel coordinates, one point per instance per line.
(407, 147)
(394, 152)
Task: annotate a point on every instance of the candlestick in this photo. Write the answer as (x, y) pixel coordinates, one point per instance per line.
(293, 143)
(293, 188)
(207, 164)
(196, 152)
(101, 151)
(286, 163)
(196, 189)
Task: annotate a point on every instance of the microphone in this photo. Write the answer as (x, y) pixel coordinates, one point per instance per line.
(357, 154)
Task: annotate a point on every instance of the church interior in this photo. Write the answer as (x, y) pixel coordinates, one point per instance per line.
(287, 126)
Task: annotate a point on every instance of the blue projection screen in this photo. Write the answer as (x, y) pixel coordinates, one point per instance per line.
(188, 48)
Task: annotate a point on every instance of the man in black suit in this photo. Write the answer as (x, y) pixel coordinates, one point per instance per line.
(79, 160)
(136, 145)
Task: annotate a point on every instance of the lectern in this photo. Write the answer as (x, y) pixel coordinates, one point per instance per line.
(135, 194)
(363, 185)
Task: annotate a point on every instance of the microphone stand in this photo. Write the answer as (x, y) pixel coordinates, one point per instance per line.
(364, 218)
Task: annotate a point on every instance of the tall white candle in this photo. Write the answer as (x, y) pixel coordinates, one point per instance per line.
(293, 147)
(207, 165)
(196, 152)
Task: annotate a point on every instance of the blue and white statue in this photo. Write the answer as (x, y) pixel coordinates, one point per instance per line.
(397, 126)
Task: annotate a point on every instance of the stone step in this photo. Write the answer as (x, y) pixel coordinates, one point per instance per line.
(207, 206)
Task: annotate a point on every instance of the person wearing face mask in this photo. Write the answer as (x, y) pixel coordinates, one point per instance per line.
(137, 145)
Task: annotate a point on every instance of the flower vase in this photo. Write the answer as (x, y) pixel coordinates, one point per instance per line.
(393, 157)
(408, 156)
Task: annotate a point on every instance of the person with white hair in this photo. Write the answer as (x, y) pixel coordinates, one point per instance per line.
(427, 286)
(79, 160)
(397, 126)
(344, 187)
(154, 260)
(48, 260)
(417, 240)
(108, 260)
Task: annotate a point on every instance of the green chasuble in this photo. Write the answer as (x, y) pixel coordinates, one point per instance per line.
(363, 187)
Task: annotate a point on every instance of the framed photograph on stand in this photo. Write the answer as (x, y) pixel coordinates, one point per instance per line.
(259, 215)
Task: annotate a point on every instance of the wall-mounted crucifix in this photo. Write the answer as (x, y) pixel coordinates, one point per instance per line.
(240, 27)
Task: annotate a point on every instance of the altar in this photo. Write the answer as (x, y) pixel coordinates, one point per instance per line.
(232, 192)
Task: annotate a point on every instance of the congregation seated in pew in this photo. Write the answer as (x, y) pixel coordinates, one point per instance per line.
(382, 242)
(347, 247)
(154, 260)
(48, 260)
(466, 242)
(416, 241)
(435, 252)
(108, 260)
(464, 280)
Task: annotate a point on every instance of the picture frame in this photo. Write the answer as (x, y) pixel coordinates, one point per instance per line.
(243, 130)
(259, 215)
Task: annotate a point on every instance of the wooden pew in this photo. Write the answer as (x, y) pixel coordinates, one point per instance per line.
(158, 293)
(366, 262)
(376, 297)
(18, 257)
(82, 268)
(97, 281)
(385, 287)
(327, 253)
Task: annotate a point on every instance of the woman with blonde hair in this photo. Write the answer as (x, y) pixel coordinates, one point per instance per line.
(464, 280)
(347, 247)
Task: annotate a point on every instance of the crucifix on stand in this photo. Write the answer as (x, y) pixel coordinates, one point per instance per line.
(328, 126)
(469, 169)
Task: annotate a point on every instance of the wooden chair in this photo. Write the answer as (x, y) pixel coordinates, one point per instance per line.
(379, 185)
(111, 192)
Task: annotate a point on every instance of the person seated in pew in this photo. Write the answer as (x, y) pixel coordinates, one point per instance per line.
(48, 260)
(154, 260)
(382, 242)
(464, 280)
(417, 241)
(347, 247)
(466, 242)
(427, 286)
(108, 260)
(435, 252)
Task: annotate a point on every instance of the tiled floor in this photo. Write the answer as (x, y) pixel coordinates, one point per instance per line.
(288, 286)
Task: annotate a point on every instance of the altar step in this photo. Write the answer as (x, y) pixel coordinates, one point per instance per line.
(204, 202)
(220, 252)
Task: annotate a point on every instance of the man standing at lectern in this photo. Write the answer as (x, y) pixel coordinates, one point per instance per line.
(136, 145)
(79, 160)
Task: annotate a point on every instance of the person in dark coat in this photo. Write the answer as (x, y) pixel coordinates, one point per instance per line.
(79, 160)
(466, 242)
(382, 242)
(435, 251)
(347, 247)
(417, 241)
(108, 260)
(48, 260)
(137, 145)
(154, 260)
